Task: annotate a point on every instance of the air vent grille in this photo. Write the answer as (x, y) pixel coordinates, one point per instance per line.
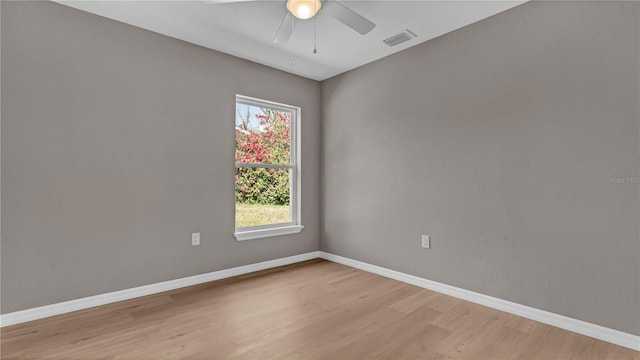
(399, 38)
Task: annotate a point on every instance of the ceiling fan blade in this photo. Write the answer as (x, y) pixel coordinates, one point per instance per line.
(348, 17)
(286, 29)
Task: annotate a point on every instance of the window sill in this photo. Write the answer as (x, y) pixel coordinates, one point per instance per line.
(263, 233)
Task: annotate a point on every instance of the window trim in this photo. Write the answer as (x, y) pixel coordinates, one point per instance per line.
(295, 225)
(270, 232)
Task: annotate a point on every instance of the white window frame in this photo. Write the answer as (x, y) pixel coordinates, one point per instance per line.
(295, 225)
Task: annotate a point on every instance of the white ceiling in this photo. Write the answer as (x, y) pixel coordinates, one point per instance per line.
(246, 29)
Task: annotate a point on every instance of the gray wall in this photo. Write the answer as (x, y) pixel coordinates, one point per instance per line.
(498, 140)
(117, 144)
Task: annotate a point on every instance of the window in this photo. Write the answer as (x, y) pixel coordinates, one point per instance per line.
(267, 180)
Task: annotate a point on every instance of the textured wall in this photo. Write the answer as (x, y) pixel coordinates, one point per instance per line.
(498, 140)
(117, 144)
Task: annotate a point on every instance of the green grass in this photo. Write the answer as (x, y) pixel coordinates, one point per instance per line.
(252, 215)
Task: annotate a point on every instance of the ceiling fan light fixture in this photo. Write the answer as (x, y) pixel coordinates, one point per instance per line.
(303, 9)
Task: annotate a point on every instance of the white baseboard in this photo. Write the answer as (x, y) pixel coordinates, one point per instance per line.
(563, 322)
(102, 299)
(578, 326)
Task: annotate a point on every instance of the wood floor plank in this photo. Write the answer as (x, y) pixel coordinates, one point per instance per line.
(312, 310)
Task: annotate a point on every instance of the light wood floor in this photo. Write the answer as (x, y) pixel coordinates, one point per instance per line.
(312, 310)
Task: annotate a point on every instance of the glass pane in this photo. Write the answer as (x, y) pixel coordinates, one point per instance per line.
(262, 196)
(263, 135)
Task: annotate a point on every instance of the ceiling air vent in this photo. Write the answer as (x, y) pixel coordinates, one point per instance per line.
(398, 39)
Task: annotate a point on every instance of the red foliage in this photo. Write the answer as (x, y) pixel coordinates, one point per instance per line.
(270, 144)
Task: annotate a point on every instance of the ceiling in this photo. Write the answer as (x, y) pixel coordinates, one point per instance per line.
(246, 29)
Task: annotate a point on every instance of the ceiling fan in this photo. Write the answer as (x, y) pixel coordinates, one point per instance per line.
(307, 9)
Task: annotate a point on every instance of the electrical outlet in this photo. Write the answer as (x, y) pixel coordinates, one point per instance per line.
(195, 239)
(426, 241)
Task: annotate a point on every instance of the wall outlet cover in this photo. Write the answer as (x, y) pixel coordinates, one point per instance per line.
(426, 241)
